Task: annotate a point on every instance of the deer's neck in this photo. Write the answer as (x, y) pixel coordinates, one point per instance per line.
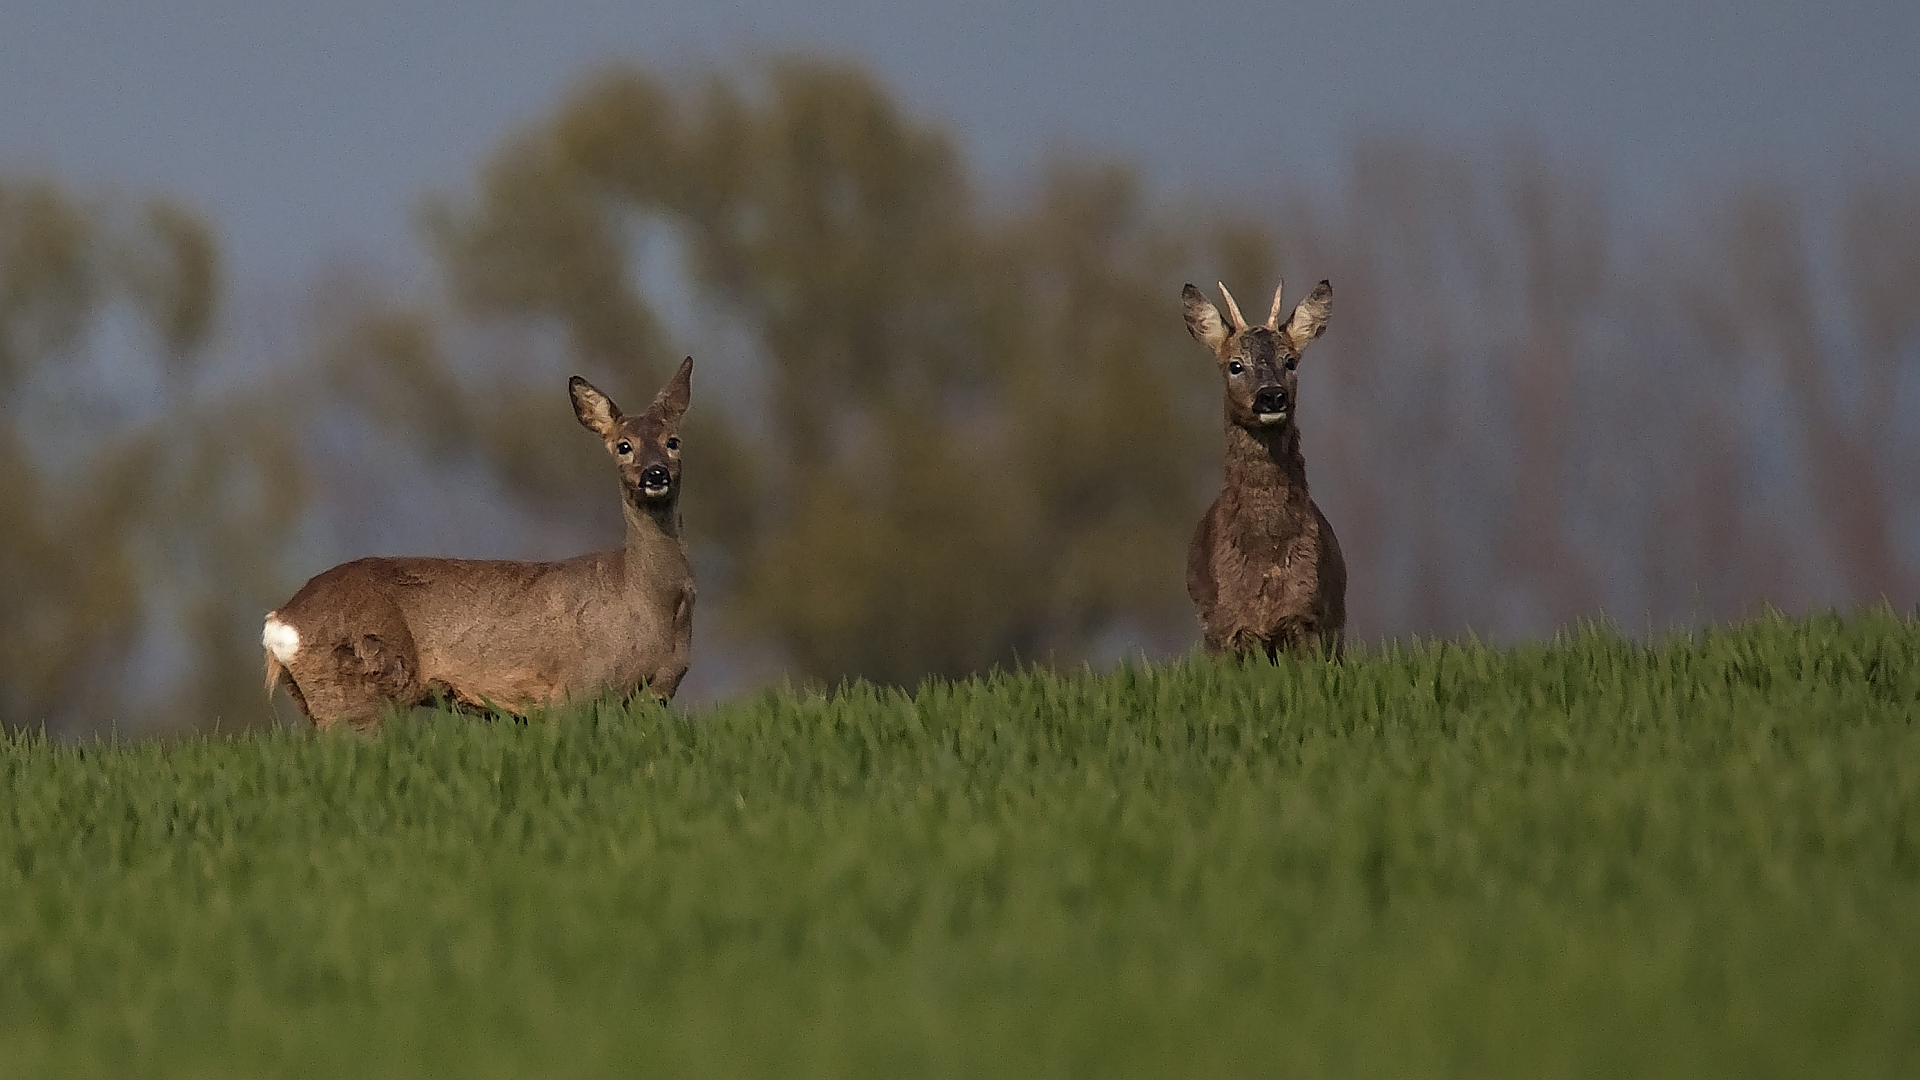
(656, 554)
(1266, 470)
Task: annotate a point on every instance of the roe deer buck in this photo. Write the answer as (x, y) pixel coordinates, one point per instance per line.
(1264, 568)
(507, 634)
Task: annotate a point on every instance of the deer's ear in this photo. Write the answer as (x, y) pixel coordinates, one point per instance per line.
(1310, 317)
(671, 401)
(1203, 319)
(596, 411)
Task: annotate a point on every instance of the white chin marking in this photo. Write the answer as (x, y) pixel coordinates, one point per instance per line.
(654, 492)
(1270, 417)
(281, 640)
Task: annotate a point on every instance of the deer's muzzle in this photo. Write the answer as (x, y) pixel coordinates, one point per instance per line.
(1270, 404)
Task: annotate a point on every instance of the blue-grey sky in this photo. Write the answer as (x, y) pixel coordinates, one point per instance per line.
(308, 131)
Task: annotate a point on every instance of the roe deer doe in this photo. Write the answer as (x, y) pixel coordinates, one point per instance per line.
(502, 634)
(1264, 568)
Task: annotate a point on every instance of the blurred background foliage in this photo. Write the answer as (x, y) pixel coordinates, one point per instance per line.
(936, 429)
(146, 496)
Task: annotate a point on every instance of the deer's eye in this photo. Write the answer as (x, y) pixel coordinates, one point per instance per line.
(624, 448)
(673, 442)
(1235, 367)
(1292, 362)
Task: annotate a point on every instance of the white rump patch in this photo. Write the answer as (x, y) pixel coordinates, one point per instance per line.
(280, 639)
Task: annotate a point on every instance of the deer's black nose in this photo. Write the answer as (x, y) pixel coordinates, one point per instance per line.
(1270, 399)
(654, 476)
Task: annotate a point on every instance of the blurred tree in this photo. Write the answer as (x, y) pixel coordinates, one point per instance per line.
(68, 584)
(951, 440)
(135, 519)
(1538, 414)
(1831, 307)
(1471, 304)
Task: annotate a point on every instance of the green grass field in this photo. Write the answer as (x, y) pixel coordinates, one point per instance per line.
(1589, 858)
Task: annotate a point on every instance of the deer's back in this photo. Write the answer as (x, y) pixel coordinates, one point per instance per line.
(503, 632)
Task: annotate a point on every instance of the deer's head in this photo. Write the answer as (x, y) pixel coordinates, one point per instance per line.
(1259, 363)
(645, 447)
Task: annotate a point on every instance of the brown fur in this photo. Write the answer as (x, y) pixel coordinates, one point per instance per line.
(510, 635)
(1264, 569)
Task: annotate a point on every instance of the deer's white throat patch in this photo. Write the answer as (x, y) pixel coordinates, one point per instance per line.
(281, 640)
